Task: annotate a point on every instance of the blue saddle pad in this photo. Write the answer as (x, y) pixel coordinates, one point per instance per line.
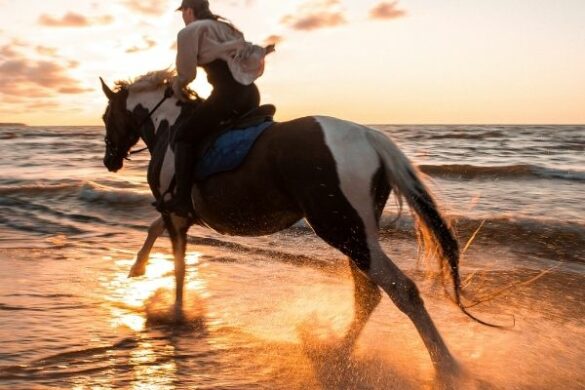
(229, 150)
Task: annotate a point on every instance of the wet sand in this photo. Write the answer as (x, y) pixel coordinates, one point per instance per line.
(256, 322)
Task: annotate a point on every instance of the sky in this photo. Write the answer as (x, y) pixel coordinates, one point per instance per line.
(369, 61)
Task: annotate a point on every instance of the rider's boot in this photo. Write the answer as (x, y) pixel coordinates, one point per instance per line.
(181, 204)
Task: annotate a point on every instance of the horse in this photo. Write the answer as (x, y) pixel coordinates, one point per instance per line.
(335, 174)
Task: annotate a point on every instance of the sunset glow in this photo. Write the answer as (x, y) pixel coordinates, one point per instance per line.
(374, 61)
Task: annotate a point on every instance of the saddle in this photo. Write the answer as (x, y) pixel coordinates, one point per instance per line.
(227, 147)
(263, 113)
(223, 150)
(256, 116)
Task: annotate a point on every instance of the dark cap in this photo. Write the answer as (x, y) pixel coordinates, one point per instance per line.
(195, 4)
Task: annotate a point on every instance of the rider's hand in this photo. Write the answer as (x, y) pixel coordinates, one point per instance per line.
(179, 92)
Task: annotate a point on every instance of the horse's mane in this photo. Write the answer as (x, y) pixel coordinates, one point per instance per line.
(148, 82)
(152, 81)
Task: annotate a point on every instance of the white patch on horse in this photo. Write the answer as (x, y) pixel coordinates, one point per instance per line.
(167, 172)
(168, 111)
(356, 164)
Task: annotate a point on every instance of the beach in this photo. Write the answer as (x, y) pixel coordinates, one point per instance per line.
(265, 312)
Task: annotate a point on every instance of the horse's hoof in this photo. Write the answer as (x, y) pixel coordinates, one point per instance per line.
(138, 269)
(458, 378)
(179, 314)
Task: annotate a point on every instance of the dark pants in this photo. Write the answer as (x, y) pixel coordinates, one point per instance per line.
(229, 99)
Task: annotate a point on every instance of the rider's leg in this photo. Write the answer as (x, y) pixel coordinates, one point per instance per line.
(184, 161)
(228, 99)
(188, 136)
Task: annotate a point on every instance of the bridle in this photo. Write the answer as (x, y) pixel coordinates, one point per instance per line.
(168, 94)
(112, 150)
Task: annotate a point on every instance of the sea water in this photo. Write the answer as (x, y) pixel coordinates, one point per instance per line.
(265, 312)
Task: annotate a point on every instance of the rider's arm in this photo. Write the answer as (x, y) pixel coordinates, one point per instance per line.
(187, 52)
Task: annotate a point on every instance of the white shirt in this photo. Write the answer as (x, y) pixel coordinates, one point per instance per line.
(204, 41)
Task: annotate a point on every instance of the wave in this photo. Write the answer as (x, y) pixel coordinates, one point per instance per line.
(94, 192)
(67, 364)
(51, 132)
(87, 191)
(531, 238)
(561, 241)
(39, 188)
(466, 171)
(9, 135)
(5, 307)
(500, 229)
(72, 208)
(469, 135)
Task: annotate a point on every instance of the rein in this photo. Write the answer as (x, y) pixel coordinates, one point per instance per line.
(168, 94)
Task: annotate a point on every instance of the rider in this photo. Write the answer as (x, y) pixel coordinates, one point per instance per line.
(232, 65)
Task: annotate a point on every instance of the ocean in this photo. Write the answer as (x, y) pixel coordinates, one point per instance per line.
(263, 312)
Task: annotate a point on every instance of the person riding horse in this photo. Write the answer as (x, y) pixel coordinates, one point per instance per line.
(232, 65)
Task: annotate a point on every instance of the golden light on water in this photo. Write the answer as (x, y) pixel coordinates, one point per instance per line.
(148, 372)
(128, 297)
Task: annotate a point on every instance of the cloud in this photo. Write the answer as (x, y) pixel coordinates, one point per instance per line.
(104, 19)
(23, 105)
(386, 10)
(73, 90)
(149, 7)
(71, 19)
(316, 14)
(7, 51)
(18, 50)
(234, 3)
(273, 40)
(46, 51)
(13, 49)
(158, 7)
(42, 105)
(149, 43)
(22, 77)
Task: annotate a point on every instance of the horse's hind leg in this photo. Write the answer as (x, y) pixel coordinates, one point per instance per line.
(154, 231)
(366, 293)
(366, 297)
(406, 297)
(339, 223)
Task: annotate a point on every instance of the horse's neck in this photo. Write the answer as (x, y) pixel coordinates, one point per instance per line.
(168, 111)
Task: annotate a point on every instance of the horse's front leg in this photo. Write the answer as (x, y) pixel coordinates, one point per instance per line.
(139, 267)
(177, 228)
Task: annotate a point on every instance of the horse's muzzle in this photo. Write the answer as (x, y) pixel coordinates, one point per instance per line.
(113, 164)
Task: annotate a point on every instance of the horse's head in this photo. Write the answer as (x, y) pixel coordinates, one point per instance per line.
(121, 127)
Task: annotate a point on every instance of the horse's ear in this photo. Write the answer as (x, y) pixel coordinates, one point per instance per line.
(109, 93)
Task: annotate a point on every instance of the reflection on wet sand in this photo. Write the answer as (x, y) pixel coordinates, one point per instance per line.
(298, 355)
(256, 323)
(128, 296)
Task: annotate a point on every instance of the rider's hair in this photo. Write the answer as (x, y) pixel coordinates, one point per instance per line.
(202, 12)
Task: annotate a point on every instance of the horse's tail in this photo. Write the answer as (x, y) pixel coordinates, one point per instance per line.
(435, 235)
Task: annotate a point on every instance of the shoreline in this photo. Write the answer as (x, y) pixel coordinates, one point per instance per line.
(12, 124)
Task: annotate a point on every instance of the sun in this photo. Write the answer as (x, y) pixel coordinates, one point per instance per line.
(200, 84)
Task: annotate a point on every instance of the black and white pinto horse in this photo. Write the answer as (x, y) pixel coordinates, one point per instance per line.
(336, 174)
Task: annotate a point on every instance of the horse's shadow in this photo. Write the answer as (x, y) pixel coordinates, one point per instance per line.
(332, 365)
(335, 366)
(162, 316)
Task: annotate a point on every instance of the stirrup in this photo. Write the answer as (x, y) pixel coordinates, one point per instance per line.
(175, 206)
